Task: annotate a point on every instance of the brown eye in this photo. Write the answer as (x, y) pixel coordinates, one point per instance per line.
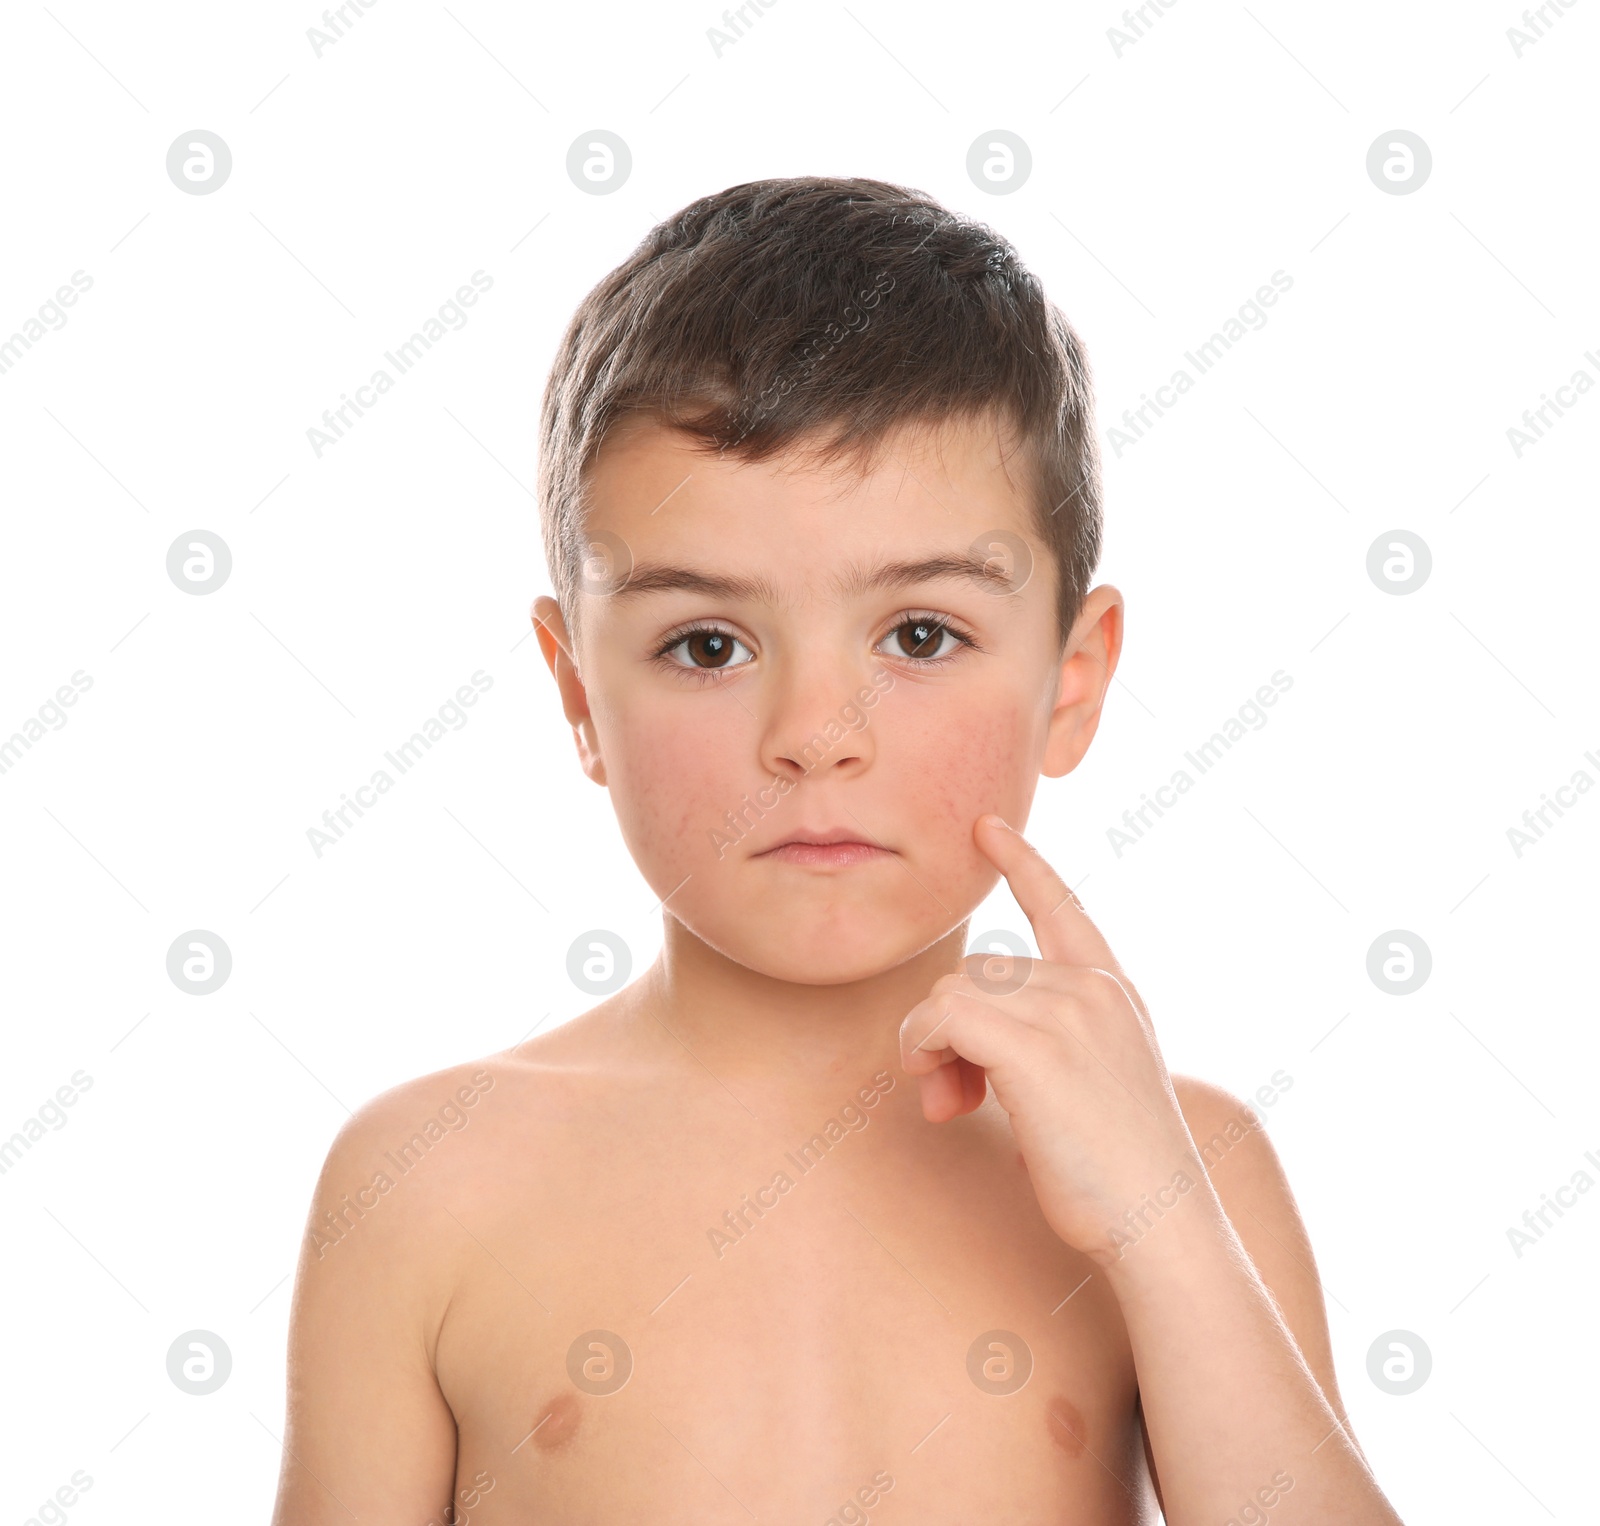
(920, 638)
(708, 649)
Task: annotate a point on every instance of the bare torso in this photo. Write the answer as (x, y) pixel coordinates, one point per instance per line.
(614, 1348)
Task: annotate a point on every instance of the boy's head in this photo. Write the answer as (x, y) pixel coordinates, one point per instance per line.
(821, 503)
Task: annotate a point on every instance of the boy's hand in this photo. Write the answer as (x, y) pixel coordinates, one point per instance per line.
(1070, 1052)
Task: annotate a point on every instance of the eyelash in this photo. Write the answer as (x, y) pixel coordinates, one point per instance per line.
(677, 637)
(682, 633)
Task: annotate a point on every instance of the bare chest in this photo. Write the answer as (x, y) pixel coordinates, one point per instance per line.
(757, 1329)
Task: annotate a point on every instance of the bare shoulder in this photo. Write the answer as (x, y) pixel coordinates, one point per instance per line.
(388, 1245)
(431, 1178)
(436, 1178)
(1231, 1140)
(438, 1144)
(390, 1142)
(1219, 1121)
(368, 1430)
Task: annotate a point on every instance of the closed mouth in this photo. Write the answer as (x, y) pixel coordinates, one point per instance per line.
(825, 849)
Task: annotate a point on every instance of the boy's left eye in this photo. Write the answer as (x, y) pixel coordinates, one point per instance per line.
(921, 639)
(707, 649)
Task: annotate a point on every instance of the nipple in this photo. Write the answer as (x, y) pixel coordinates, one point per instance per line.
(556, 1424)
(1065, 1422)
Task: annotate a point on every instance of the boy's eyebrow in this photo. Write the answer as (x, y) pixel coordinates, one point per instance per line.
(657, 577)
(968, 564)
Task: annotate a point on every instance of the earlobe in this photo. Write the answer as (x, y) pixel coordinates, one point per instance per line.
(1086, 670)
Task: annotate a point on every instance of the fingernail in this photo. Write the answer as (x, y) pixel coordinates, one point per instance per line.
(998, 820)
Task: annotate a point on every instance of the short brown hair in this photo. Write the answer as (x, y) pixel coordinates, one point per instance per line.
(732, 322)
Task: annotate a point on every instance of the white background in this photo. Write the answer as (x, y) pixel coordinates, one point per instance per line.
(1168, 183)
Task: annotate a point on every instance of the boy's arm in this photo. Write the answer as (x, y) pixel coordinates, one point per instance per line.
(369, 1435)
(1254, 1193)
(1238, 1418)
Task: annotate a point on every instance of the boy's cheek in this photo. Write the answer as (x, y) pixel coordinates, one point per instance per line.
(932, 770)
(670, 785)
(956, 768)
(678, 774)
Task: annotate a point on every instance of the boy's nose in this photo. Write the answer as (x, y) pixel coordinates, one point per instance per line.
(816, 722)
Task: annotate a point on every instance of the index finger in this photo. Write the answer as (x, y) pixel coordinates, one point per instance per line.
(1064, 930)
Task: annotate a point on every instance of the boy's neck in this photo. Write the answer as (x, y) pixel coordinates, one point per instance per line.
(809, 1040)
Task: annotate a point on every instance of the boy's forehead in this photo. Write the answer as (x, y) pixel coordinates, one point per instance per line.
(925, 488)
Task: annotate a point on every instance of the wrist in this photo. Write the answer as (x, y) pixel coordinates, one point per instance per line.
(1168, 1235)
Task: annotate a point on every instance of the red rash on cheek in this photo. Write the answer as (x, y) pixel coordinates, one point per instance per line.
(675, 773)
(930, 757)
(961, 766)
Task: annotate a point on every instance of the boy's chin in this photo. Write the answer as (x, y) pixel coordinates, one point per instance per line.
(820, 955)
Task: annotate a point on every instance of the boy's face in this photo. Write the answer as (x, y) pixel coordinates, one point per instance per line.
(749, 682)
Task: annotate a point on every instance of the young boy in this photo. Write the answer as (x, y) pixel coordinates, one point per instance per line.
(820, 1220)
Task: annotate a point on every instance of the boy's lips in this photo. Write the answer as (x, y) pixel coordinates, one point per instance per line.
(838, 847)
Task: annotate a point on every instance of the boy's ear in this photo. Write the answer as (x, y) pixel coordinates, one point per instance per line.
(1089, 660)
(554, 641)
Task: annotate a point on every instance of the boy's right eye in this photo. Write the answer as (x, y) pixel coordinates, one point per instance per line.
(705, 648)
